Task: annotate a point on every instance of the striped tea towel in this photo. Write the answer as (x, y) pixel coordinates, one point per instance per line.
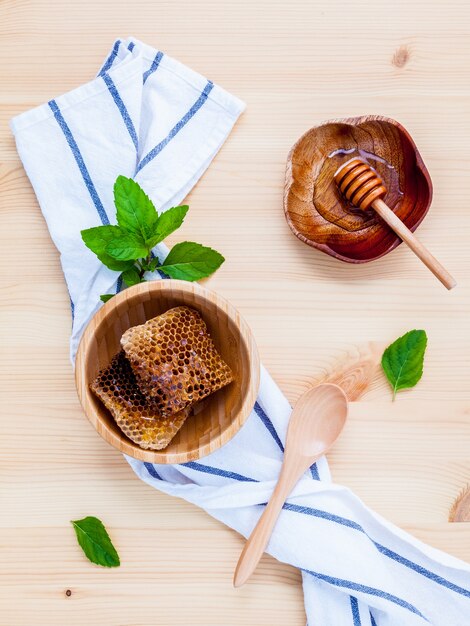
(149, 117)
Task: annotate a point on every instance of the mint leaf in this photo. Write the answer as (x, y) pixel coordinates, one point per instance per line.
(95, 542)
(106, 296)
(191, 261)
(126, 247)
(167, 223)
(135, 211)
(152, 266)
(131, 277)
(97, 239)
(403, 360)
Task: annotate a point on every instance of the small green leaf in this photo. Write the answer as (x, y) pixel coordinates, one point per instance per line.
(95, 542)
(97, 239)
(135, 211)
(403, 360)
(131, 277)
(191, 261)
(167, 223)
(126, 247)
(152, 266)
(106, 296)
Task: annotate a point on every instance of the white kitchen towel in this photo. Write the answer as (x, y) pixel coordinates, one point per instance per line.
(148, 117)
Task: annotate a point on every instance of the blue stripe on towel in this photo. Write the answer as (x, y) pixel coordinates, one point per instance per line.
(421, 570)
(72, 306)
(314, 472)
(176, 129)
(152, 471)
(355, 611)
(154, 66)
(269, 425)
(110, 60)
(372, 620)
(349, 584)
(331, 517)
(122, 108)
(382, 549)
(119, 284)
(131, 46)
(80, 162)
(207, 469)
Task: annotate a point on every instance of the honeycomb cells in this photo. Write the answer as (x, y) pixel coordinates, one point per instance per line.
(174, 360)
(138, 417)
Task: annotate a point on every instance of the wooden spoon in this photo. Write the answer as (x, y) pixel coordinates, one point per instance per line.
(315, 424)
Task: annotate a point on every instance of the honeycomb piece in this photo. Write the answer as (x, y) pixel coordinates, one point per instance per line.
(138, 418)
(174, 359)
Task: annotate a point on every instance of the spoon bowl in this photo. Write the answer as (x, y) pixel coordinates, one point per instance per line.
(315, 424)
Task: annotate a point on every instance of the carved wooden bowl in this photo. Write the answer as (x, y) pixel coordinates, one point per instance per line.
(319, 215)
(217, 418)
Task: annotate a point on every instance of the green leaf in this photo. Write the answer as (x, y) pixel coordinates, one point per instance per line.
(191, 261)
(402, 361)
(106, 296)
(167, 223)
(126, 247)
(95, 542)
(97, 239)
(152, 266)
(131, 277)
(135, 211)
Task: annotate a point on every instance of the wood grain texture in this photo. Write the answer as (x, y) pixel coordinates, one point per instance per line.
(296, 64)
(336, 223)
(217, 418)
(460, 511)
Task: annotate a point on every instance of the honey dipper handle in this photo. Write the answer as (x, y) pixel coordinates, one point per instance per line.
(412, 242)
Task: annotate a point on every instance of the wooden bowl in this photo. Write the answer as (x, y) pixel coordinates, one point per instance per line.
(219, 416)
(319, 215)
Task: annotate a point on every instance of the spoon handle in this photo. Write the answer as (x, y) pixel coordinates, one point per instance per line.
(258, 540)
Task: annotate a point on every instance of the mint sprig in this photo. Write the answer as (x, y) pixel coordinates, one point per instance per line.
(127, 247)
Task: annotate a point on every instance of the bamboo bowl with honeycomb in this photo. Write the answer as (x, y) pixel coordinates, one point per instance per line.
(217, 418)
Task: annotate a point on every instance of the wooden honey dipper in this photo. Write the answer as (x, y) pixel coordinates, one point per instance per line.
(363, 187)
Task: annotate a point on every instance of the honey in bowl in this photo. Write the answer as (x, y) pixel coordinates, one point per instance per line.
(320, 216)
(332, 205)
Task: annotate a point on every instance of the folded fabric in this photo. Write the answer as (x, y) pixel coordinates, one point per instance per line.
(148, 117)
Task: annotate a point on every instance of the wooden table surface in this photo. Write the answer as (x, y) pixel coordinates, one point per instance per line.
(295, 64)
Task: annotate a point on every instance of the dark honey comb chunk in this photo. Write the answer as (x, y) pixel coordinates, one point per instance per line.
(174, 359)
(138, 418)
